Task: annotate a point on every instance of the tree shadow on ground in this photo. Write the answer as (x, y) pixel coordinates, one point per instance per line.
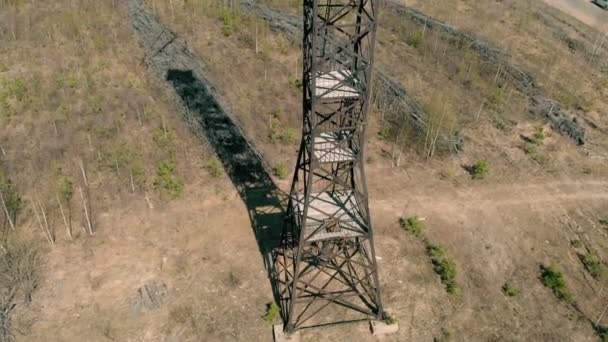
(242, 163)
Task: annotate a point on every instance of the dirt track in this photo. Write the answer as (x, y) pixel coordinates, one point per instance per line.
(583, 10)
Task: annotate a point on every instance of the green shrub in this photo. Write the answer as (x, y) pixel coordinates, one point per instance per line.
(215, 168)
(554, 280)
(539, 136)
(384, 133)
(593, 265)
(95, 104)
(530, 148)
(280, 171)
(66, 191)
(444, 267)
(509, 290)
(415, 39)
(604, 222)
(272, 312)
(480, 169)
(167, 179)
(413, 225)
(601, 331)
(289, 136)
(229, 21)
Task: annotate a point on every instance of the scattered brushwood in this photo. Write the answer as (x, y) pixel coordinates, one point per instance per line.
(203, 108)
(397, 106)
(563, 121)
(19, 264)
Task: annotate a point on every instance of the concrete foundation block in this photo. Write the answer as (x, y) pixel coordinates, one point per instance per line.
(280, 336)
(381, 328)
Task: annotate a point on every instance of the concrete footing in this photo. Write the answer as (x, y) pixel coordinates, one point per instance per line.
(280, 336)
(380, 328)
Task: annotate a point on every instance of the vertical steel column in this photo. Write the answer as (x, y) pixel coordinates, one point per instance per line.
(326, 264)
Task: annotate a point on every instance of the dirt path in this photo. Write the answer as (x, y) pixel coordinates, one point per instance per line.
(506, 195)
(583, 10)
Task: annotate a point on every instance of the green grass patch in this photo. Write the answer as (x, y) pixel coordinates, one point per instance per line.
(444, 267)
(413, 225)
(553, 279)
(510, 290)
(272, 312)
(593, 265)
(215, 168)
(280, 171)
(168, 180)
(480, 169)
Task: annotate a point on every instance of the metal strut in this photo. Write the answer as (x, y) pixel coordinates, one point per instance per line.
(326, 263)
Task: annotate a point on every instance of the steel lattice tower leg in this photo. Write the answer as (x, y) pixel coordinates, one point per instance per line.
(327, 258)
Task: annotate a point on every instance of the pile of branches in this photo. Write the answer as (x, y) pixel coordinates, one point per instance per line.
(563, 121)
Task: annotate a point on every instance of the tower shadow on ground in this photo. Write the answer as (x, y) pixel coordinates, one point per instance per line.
(243, 165)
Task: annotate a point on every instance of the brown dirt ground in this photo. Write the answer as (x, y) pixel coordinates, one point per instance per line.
(202, 246)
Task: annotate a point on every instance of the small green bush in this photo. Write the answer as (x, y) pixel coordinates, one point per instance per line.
(415, 39)
(480, 169)
(604, 222)
(539, 136)
(215, 168)
(95, 104)
(444, 267)
(593, 265)
(554, 280)
(601, 331)
(66, 191)
(509, 290)
(167, 179)
(289, 136)
(272, 312)
(280, 171)
(530, 148)
(413, 225)
(229, 21)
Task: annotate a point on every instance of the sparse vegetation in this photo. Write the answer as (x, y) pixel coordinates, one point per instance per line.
(480, 169)
(273, 312)
(593, 265)
(539, 136)
(168, 180)
(215, 168)
(444, 267)
(413, 225)
(280, 171)
(510, 290)
(553, 279)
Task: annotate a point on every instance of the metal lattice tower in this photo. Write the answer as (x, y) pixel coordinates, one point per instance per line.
(327, 258)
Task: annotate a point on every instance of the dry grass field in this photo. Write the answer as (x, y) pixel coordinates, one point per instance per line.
(157, 244)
